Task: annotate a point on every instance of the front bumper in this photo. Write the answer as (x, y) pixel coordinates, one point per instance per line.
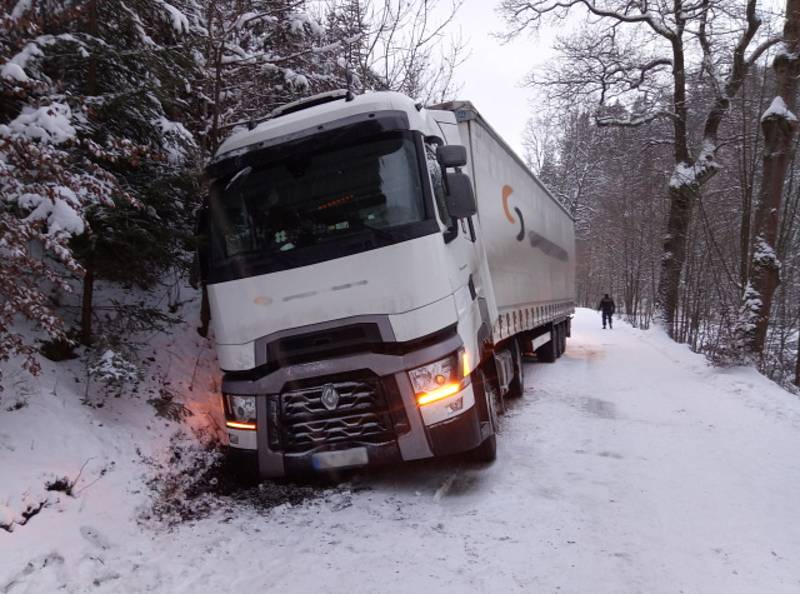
(449, 426)
(458, 434)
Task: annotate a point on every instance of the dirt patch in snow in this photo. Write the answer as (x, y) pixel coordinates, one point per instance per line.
(599, 408)
(196, 482)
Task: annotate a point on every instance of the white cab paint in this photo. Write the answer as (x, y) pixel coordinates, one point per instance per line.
(322, 114)
(393, 280)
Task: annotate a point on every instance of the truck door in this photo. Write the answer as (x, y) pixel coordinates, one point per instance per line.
(472, 250)
(464, 250)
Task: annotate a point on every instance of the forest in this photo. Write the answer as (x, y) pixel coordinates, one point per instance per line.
(670, 134)
(667, 129)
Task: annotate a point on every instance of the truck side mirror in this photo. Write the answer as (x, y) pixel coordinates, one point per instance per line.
(451, 155)
(460, 197)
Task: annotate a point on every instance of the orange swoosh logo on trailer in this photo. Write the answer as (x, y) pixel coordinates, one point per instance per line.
(507, 190)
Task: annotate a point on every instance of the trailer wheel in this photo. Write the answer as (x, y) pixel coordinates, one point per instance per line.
(517, 386)
(564, 334)
(547, 352)
(487, 450)
(559, 336)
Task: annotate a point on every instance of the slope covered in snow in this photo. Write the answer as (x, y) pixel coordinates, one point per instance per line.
(628, 466)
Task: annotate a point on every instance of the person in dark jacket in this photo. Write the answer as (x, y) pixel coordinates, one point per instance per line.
(608, 308)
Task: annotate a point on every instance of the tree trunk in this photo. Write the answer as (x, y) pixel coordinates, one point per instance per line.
(681, 200)
(86, 301)
(703, 166)
(680, 196)
(91, 76)
(747, 205)
(88, 278)
(779, 128)
(797, 366)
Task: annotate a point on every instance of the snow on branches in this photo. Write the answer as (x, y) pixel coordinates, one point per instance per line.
(693, 175)
(107, 106)
(45, 188)
(778, 109)
(81, 114)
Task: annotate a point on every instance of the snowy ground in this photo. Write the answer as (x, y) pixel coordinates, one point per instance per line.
(629, 466)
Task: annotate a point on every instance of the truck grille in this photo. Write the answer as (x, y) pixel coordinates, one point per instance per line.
(361, 416)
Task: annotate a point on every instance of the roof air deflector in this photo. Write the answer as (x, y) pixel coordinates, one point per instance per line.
(312, 101)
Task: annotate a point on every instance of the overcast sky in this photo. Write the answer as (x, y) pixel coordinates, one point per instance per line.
(493, 74)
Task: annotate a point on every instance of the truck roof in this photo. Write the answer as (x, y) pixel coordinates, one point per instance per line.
(465, 111)
(323, 108)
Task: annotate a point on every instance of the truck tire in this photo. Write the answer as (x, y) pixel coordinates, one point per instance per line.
(241, 466)
(547, 352)
(558, 329)
(487, 450)
(564, 334)
(517, 386)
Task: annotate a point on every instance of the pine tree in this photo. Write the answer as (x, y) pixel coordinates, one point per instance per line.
(87, 92)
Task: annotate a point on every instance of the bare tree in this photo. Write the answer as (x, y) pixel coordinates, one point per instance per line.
(640, 55)
(400, 45)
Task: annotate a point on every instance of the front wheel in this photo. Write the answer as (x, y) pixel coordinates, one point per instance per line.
(517, 386)
(487, 450)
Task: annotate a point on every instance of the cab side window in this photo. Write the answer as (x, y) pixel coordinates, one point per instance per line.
(437, 179)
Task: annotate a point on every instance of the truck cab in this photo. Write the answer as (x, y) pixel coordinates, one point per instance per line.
(348, 282)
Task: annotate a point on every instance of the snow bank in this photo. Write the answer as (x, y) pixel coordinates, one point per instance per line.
(630, 465)
(64, 425)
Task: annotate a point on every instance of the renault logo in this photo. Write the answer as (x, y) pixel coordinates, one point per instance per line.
(330, 397)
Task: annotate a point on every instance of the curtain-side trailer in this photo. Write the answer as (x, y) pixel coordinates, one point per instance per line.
(376, 271)
(529, 237)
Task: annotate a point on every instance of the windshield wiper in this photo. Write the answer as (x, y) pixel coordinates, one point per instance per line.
(282, 257)
(379, 231)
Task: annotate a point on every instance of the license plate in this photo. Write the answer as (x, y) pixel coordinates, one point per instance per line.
(340, 459)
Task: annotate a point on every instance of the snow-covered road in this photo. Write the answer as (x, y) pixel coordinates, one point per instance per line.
(628, 466)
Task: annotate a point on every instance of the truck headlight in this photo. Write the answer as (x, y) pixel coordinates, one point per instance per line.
(240, 411)
(437, 380)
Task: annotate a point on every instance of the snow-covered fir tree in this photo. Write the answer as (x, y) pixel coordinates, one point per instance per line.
(89, 94)
(253, 57)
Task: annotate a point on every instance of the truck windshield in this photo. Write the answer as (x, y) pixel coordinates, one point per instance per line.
(308, 200)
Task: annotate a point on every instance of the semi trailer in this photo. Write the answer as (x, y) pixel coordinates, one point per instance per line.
(376, 271)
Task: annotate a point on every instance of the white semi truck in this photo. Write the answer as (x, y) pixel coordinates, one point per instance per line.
(375, 272)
